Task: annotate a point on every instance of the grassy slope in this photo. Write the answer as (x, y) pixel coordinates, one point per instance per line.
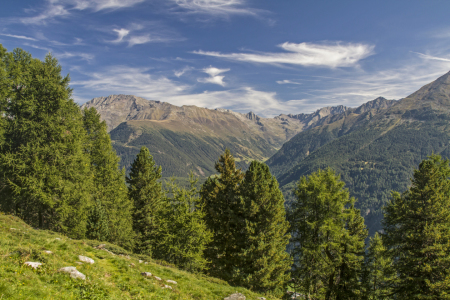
(110, 277)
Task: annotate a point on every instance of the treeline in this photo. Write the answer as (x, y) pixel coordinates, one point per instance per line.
(58, 171)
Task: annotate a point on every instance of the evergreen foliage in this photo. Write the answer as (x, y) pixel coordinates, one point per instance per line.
(377, 270)
(264, 263)
(220, 196)
(327, 237)
(417, 233)
(46, 175)
(146, 193)
(184, 236)
(110, 189)
(97, 223)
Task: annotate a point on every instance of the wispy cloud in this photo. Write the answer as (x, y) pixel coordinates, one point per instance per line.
(61, 8)
(19, 37)
(121, 33)
(179, 73)
(214, 77)
(431, 57)
(137, 34)
(286, 81)
(221, 8)
(329, 55)
(83, 56)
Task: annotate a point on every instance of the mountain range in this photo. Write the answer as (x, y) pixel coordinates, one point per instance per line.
(375, 147)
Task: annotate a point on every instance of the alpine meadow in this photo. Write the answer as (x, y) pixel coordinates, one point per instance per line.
(224, 150)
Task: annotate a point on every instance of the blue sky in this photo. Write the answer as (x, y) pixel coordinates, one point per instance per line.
(267, 56)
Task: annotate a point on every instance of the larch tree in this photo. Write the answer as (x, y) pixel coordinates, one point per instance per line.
(46, 175)
(264, 264)
(327, 237)
(417, 233)
(184, 235)
(223, 204)
(145, 191)
(110, 189)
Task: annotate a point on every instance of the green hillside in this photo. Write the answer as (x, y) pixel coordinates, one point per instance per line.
(374, 151)
(115, 274)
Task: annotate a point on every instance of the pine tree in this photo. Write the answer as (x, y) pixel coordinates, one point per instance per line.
(97, 224)
(184, 236)
(417, 233)
(377, 270)
(224, 217)
(146, 192)
(264, 263)
(45, 172)
(327, 237)
(110, 189)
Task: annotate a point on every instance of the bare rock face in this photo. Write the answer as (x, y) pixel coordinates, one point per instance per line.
(74, 273)
(235, 296)
(86, 259)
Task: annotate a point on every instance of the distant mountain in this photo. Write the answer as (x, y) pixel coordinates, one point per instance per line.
(375, 147)
(192, 138)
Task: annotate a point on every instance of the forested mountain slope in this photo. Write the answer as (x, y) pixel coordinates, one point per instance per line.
(374, 149)
(191, 138)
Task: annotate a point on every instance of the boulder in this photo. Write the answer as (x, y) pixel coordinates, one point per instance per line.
(86, 259)
(235, 296)
(146, 274)
(167, 287)
(157, 278)
(74, 273)
(101, 246)
(141, 261)
(34, 265)
(171, 281)
(48, 252)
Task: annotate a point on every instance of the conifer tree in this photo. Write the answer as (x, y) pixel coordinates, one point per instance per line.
(264, 263)
(220, 196)
(97, 224)
(45, 172)
(110, 189)
(417, 233)
(146, 192)
(184, 235)
(327, 237)
(377, 270)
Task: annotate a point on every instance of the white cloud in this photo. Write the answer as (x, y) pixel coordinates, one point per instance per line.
(19, 37)
(181, 72)
(121, 33)
(214, 76)
(432, 57)
(83, 56)
(286, 81)
(137, 40)
(333, 55)
(216, 7)
(60, 8)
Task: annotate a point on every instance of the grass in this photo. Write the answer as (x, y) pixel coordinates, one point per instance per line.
(110, 277)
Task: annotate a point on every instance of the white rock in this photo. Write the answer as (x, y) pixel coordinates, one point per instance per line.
(48, 252)
(146, 263)
(157, 278)
(167, 287)
(141, 261)
(171, 281)
(74, 273)
(146, 274)
(12, 229)
(86, 259)
(34, 265)
(58, 239)
(235, 296)
(101, 246)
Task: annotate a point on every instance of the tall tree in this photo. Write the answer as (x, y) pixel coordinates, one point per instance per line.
(264, 263)
(45, 172)
(377, 270)
(327, 235)
(110, 189)
(184, 236)
(417, 233)
(220, 196)
(146, 192)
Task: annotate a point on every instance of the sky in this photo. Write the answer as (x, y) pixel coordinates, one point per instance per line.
(265, 56)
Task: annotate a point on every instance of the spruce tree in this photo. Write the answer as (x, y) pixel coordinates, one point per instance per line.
(97, 223)
(146, 193)
(110, 189)
(327, 237)
(46, 175)
(184, 236)
(417, 233)
(220, 196)
(264, 263)
(377, 270)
